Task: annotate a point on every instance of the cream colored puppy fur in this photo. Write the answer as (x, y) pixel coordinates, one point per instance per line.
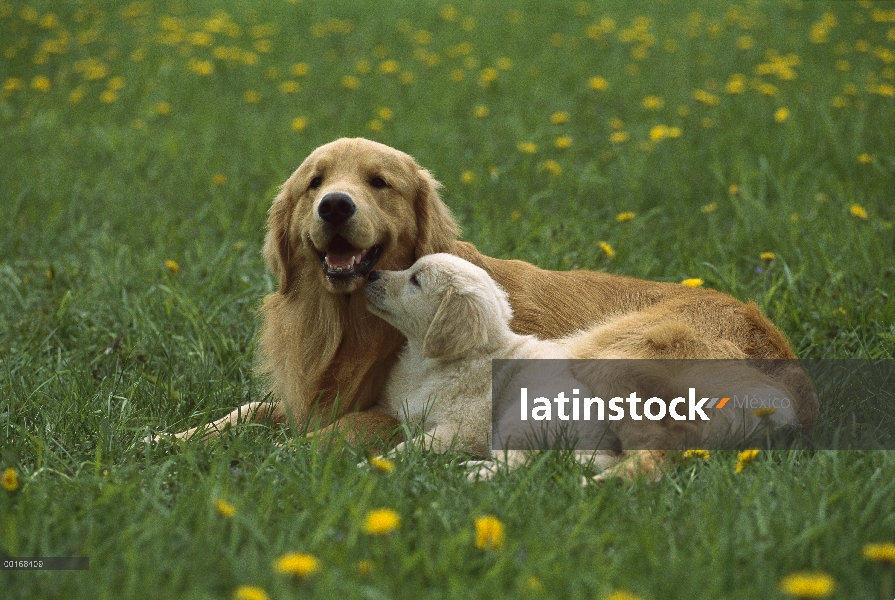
(456, 320)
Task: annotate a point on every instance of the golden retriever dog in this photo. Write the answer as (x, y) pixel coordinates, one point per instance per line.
(354, 205)
(457, 320)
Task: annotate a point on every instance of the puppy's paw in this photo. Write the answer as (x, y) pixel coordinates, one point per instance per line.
(480, 470)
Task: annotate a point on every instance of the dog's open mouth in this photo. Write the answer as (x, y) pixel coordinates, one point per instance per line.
(342, 261)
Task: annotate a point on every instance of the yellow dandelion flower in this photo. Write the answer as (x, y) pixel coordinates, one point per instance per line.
(808, 585)
(48, 21)
(709, 208)
(706, 98)
(406, 77)
(249, 58)
(201, 67)
(489, 533)
(41, 83)
(250, 592)
(653, 103)
(162, 108)
(299, 564)
(598, 83)
(222, 506)
(781, 114)
(467, 24)
(616, 123)
(467, 177)
(219, 179)
(562, 142)
(172, 266)
(747, 455)
(289, 87)
(487, 75)
(744, 458)
(733, 190)
(618, 137)
(384, 113)
(362, 66)
(558, 118)
(10, 480)
(422, 37)
(299, 123)
(504, 64)
(299, 69)
(552, 167)
(382, 464)
(745, 42)
(448, 12)
(263, 45)
(515, 215)
(884, 553)
(767, 256)
(350, 82)
(659, 132)
(108, 96)
(480, 111)
(623, 595)
(375, 125)
(116, 83)
(865, 158)
(252, 97)
(77, 94)
(857, 210)
(12, 84)
(736, 84)
(457, 75)
(381, 521)
(606, 248)
(674, 132)
(625, 216)
(388, 67)
(532, 584)
(364, 567)
(693, 282)
(765, 411)
(703, 454)
(527, 147)
(199, 38)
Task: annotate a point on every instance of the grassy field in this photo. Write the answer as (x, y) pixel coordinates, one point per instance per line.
(748, 145)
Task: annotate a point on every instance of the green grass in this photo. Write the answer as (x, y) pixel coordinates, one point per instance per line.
(100, 341)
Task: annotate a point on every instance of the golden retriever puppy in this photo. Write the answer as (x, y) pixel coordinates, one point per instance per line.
(457, 320)
(354, 205)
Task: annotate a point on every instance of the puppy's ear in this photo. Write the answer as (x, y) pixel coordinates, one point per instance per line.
(436, 229)
(276, 250)
(458, 327)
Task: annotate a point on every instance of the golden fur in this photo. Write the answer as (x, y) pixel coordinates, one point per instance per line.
(327, 359)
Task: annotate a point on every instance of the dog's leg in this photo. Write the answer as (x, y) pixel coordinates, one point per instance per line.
(371, 428)
(253, 412)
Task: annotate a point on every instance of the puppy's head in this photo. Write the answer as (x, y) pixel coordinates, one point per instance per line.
(353, 205)
(442, 303)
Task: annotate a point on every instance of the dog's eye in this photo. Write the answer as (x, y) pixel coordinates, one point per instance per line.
(378, 183)
(414, 280)
(315, 183)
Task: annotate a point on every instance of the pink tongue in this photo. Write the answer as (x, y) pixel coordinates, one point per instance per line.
(343, 260)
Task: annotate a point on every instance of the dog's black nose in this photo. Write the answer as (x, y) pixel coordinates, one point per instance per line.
(335, 208)
(373, 276)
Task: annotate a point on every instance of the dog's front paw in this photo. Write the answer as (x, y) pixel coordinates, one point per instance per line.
(480, 470)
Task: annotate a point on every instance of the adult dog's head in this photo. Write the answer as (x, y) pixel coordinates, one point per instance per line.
(353, 205)
(442, 304)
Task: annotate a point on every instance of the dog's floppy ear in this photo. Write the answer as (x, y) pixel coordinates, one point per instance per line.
(276, 250)
(436, 229)
(458, 327)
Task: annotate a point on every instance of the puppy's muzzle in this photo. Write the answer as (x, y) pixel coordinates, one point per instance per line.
(336, 207)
